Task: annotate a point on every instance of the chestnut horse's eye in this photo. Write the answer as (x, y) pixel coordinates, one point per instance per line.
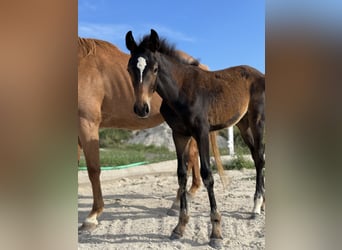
(155, 70)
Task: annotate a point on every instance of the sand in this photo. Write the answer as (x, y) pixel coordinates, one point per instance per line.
(136, 205)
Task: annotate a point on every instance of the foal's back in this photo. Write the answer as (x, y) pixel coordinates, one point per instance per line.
(230, 92)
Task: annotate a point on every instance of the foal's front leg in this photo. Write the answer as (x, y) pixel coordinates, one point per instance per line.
(181, 143)
(208, 180)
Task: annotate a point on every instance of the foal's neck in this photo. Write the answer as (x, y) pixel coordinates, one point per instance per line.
(170, 78)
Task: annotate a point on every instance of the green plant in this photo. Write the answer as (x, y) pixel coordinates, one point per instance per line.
(239, 162)
(111, 137)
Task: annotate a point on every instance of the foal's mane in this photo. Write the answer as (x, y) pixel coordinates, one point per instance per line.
(88, 45)
(167, 49)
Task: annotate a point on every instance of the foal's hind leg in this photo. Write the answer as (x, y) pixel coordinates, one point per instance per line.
(251, 127)
(257, 127)
(181, 143)
(89, 138)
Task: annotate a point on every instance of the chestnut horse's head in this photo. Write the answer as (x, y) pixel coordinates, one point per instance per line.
(143, 70)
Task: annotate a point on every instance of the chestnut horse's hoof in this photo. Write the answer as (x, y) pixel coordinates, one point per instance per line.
(87, 227)
(215, 243)
(172, 212)
(175, 236)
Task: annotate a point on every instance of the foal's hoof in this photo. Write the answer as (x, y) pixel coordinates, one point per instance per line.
(175, 236)
(215, 243)
(87, 227)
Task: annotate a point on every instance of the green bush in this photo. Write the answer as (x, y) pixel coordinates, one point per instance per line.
(239, 162)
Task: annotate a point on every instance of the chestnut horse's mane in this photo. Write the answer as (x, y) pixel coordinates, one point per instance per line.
(87, 46)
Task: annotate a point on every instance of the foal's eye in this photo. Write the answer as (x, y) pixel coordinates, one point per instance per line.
(155, 70)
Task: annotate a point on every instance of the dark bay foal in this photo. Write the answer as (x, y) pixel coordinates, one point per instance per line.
(196, 102)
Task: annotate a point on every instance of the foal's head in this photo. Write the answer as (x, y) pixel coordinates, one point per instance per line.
(143, 69)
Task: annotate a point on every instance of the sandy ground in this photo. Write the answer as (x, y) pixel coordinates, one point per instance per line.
(136, 204)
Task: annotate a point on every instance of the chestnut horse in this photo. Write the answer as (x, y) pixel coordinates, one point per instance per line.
(105, 99)
(196, 102)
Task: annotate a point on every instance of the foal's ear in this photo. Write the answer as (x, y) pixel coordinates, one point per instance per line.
(154, 41)
(130, 43)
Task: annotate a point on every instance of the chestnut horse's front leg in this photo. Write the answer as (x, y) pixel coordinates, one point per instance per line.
(181, 143)
(192, 163)
(89, 137)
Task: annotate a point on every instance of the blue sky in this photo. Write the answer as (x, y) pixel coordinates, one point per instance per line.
(221, 33)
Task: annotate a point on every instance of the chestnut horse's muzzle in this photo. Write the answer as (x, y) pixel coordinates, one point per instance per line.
(141, 110)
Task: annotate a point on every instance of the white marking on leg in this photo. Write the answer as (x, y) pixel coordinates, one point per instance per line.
(92, 220)
(141, 66)
(257, 205)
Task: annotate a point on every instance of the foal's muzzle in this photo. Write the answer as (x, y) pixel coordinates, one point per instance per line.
(141, 110)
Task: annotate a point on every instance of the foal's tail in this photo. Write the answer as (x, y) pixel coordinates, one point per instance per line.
(214, 147)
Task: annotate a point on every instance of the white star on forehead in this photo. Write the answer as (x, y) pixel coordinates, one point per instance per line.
(141, 66)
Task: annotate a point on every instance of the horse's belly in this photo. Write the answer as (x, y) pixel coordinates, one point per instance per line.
(132, 121)
(217, 123)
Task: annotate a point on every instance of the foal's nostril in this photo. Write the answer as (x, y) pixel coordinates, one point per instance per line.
(135, 109)
(146, 108)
